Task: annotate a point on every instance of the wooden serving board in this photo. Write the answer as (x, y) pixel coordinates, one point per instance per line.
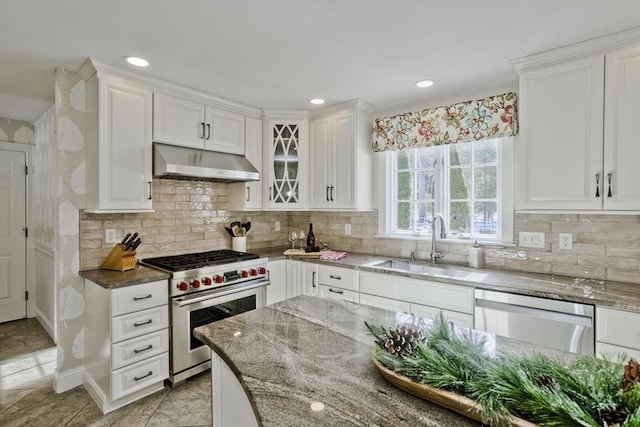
(301, 253)
(452, 401)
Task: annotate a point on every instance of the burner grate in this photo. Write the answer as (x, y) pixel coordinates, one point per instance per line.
(198, 260)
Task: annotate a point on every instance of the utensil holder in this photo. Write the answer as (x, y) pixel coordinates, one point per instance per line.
(239, 244)
(119, 259)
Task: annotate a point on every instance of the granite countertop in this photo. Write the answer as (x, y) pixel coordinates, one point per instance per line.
(312, 349)
(111, 279)
(624, 296)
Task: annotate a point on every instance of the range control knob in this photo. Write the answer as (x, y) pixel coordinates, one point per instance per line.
(253, 272)
(183, 286)
(207, 281)
(244, 274)
(219, 279)
(195, 283)
(262, 270)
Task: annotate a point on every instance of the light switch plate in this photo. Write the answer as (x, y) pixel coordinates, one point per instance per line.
(277, 225)
(347, 229)
(531, 240)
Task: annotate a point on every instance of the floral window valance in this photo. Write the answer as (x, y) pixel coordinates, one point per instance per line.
(481, 119)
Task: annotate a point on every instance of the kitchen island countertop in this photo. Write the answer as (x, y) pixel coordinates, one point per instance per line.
(311, 349)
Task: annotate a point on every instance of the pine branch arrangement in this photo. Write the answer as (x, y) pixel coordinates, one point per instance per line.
(586, 391)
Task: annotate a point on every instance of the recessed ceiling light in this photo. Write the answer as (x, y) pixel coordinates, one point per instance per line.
(424, 83)
(316, 101)
(138, 62)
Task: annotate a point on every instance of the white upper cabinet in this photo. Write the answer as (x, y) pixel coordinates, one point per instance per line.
(119, 115)
(192, 123)
(578, 146)
(341, 159)
(286, 172)
(253, 153)
(621, 172)
(560, 145)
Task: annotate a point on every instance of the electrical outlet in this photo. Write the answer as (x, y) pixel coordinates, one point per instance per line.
(347, 229)
(110, 235)
(277, 225)
(565, 241)
(531, 240)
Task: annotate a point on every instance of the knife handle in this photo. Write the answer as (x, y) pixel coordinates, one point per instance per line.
(124, 239)
(136, 244)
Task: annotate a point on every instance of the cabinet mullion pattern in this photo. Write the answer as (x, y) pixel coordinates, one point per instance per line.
(285, 188)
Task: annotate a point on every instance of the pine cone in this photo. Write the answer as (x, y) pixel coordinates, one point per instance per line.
(631, 374)
(402, 340)
(614, 416)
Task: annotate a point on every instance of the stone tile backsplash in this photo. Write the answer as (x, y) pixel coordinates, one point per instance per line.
(190, 217)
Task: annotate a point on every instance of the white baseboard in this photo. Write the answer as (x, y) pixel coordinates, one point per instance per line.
(67, 380)
(46, 324)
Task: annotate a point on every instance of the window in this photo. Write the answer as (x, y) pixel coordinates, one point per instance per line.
(464, 182)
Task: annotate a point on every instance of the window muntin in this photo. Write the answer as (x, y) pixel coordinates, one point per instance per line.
(460, 181)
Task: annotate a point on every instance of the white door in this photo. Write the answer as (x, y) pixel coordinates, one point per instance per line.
(343, 151)
(13, 281)
(178, 121)
(224, 131)
(319, 166)
(253, 146)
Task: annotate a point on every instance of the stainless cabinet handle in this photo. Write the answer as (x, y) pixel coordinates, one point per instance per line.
(141, 298)
(313, 279)
(336, 292)
(150, 190)
(335, 277)
(208, 131)
(332, 193)
(248, 194)
(140, 350)
(326, 194)
(146, 322)
(609, 180)
(597, 185)
(269, 193)
(148, 374)
(202, 136)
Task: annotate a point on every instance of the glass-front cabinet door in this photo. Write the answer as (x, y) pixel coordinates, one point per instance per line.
(287, 143)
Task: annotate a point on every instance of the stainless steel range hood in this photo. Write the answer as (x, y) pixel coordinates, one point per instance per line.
(170, 161)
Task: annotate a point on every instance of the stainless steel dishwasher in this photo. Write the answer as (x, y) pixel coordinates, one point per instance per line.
(557, 324)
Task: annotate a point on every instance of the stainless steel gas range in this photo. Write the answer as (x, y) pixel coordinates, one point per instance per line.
(206, 287)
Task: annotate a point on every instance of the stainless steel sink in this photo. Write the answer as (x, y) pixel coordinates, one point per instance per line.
(419, 268)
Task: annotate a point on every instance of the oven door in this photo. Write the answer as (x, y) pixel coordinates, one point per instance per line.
(191, 311)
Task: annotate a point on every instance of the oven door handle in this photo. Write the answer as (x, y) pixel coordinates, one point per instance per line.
(215, 293)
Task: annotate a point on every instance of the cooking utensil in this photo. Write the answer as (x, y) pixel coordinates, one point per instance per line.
(247, 227)
(230, 231)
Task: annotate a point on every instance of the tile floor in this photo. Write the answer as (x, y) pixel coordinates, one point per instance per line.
(27, 361)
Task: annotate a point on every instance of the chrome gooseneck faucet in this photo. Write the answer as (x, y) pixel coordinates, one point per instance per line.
(443, 235)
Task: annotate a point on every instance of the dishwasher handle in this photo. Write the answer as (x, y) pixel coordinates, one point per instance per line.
(574, 319)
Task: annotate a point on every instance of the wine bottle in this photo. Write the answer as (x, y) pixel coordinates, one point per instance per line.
(311, 239)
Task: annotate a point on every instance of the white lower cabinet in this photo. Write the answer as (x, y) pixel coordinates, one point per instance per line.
(386, 303)
(277, 290)
(617, 331)
(126, 342)
(424, 297)
(333, 292)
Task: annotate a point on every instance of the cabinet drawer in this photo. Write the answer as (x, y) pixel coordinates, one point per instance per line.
(344, 278)
(458, 319)
(136, 349)
(618, 327)
(139, 323)
(133, 378)
(425, 292)
(386, 303)
(604, 349)
(139, 297)
(333, 292)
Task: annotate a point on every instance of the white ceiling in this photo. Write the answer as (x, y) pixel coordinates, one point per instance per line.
(281, 53)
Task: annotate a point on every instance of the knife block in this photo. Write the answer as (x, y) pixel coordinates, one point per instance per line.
(119, 259)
